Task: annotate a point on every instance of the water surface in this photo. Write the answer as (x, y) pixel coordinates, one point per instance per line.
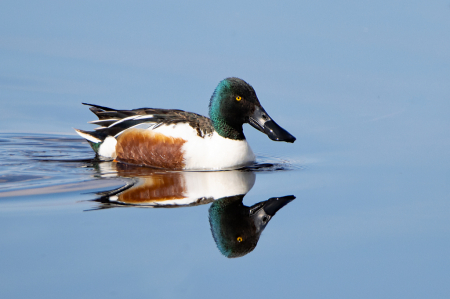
(362, 85)
(101, 229)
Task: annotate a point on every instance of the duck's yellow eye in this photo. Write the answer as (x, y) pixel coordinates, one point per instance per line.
(239, 239)
(238, 98)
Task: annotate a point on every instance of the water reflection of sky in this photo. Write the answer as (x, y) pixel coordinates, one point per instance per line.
(363, 86)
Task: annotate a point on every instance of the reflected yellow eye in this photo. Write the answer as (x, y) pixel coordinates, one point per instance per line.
(239, 239)
(238, 98)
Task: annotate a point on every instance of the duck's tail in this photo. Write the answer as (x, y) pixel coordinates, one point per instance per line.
(95, 138)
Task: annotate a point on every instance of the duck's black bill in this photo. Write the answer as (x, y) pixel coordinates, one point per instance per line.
(261, 121)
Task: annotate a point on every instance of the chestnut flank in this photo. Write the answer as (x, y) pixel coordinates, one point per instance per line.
(145, 147)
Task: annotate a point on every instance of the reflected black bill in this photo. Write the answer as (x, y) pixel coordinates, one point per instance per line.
(276, 203)
(261, 121)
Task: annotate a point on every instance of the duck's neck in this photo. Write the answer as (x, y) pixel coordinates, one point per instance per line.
(227, 128)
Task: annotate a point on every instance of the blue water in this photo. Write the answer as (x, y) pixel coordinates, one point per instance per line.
(363, 86)
(355, 230)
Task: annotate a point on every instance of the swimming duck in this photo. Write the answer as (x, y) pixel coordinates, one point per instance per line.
(176, 139)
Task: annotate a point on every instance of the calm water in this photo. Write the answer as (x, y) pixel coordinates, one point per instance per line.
(362, 85)
(75, 227)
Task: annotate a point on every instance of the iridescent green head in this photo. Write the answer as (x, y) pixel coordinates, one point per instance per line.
(233, 103)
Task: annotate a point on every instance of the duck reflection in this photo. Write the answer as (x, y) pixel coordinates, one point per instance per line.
(154, 188)
(236, 228)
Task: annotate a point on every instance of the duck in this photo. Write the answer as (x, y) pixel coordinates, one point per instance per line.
(180, 140)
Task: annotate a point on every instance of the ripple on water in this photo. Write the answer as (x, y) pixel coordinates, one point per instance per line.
(22, 164)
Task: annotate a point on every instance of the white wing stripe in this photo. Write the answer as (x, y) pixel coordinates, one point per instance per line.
(146, 127)
(134, 117)
(96, 122)
(145, 116)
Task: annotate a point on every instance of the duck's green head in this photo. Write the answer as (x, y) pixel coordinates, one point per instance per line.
(233, 103)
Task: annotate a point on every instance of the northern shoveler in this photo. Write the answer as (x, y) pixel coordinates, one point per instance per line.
(176, 139)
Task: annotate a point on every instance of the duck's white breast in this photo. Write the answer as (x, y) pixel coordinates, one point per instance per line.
(209, 152)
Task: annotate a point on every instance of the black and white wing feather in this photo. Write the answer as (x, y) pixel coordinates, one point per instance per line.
(113, 122)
